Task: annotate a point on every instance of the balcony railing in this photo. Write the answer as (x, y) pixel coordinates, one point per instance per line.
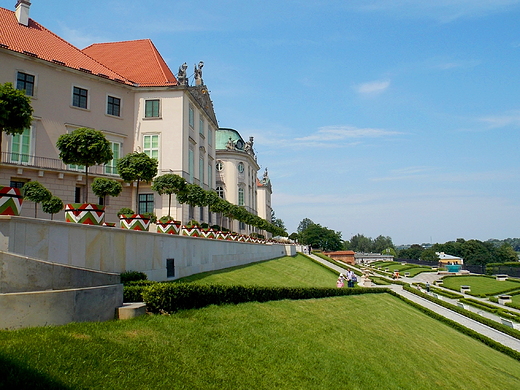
(32, 161)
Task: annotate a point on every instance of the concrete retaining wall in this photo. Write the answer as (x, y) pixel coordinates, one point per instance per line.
(59, 307)
(117, 250)
(23, 274)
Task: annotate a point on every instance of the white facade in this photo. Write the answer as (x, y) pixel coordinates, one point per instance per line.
(236, 181)
(171, 121)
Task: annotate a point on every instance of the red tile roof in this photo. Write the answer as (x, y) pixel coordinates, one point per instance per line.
(138, 61)
(36, 41)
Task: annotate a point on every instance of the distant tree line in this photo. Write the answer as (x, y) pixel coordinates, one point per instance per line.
(472, 251)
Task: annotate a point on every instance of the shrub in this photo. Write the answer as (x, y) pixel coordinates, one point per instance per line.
(171, 297)
(132, 276)
(125, 210)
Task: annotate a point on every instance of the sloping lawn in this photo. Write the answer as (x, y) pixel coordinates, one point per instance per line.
(480, 285)
(356, 342)
(298, 271)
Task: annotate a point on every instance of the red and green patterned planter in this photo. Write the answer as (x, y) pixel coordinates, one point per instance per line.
(85, 213)
(241, 238)
(208, 233)
(233, 236)
(191, 231)
(134, 222)
(172, 227)
(11, 200)
(222, 235)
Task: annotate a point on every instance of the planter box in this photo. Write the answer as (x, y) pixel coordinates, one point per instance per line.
(191, 231)
(85, 213)
(208, 233)
(134, 222)
(465, 289)
(172, 227)
(501, 278)
(11, 200)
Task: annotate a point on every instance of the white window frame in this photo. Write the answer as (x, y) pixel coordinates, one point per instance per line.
(191, 116)
(111, 166)
(149, 151)
(20, 155)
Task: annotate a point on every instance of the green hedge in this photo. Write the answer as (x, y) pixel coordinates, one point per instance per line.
(132, 276)
(168, 297)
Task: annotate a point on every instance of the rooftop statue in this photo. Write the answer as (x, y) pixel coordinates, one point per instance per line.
(181, 76)
(249, 146)
(230, 145)
(198, 73)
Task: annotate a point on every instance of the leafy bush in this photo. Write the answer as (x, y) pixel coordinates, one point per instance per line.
(124, 211)
(132, 276)
(171, 297)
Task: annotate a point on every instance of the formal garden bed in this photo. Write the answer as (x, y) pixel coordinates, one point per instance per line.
(481, 285)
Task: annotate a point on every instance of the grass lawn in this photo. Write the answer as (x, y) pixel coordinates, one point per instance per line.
(288, 271)
(356, 342)
(480, 285)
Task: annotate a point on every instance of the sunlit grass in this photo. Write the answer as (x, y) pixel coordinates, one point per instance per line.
(298, 271)
(356, 342)
(480, 285)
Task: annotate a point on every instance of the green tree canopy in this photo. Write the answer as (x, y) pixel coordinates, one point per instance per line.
(137, 167)
(37, 193)
(103, 187)
(52, 206)
(84, 146)
(15, 111)
(321, 237)
(169, 184)
(304, 224)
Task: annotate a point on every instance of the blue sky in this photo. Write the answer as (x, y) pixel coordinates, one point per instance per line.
(392, 117)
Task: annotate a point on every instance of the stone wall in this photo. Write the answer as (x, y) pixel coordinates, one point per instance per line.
(117, 250)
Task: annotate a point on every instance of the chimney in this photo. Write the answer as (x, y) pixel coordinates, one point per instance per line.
(22, 11)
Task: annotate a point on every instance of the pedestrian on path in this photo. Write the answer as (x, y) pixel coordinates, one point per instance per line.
(427, 286)
(341, 281)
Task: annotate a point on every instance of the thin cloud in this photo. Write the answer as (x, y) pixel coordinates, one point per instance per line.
(441, 10)
(373, 87)
(340, 133)
(499, 121)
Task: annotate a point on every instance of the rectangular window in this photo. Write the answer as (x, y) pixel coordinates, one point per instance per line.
(145, 203)
(201, 214)
(77, 195)
(201, 170)
(25, 82)
(240, 196)
(111, 166)
(191, 116)
(191, 163)
(151, 108)
(21, 147)
(210, 175)
(151, 145)
(79, 97)
(170, 268)
(201, 126)
(210, 136)
(18, 183)
(113, 106)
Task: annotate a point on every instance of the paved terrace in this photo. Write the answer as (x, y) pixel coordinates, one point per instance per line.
(485, 330)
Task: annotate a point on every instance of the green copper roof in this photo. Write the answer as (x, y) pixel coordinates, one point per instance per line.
(222, 137)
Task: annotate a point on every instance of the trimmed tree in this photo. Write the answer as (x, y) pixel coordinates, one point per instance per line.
(169, 184)
(37, 193)
(15, 111)
(86, 147)
(52, 206)
(103, 187)
(137, 167)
